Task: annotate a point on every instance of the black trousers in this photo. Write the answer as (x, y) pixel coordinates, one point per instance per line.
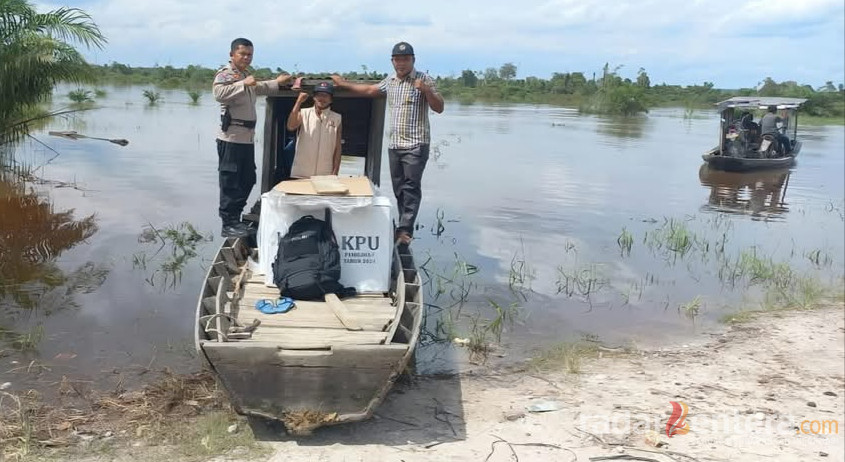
(785, 143)
(406, 170)
(236, 168)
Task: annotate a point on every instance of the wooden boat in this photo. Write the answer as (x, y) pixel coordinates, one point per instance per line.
(322, 363)
(741, 147)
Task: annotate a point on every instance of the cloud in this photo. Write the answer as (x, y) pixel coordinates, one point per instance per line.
(773, 13)
(690, 41)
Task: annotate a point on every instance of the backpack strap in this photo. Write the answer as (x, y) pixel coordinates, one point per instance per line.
(328, 215)
(328, 229)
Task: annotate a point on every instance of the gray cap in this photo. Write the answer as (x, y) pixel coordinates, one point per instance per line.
(402, 48)
(324, 87)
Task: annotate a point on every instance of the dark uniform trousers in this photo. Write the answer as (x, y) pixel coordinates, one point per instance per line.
(236, 167)
(406, 171)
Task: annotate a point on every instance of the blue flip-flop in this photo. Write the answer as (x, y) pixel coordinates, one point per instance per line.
(282, 305)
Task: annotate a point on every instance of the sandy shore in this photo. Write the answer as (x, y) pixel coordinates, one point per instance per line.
(772, 388)
(752, 393)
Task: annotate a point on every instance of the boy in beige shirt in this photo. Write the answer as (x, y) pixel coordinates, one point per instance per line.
(318, 138)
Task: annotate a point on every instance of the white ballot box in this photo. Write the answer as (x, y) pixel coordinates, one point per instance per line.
(362, 225)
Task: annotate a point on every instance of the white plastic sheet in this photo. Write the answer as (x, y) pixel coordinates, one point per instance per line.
(363, 227)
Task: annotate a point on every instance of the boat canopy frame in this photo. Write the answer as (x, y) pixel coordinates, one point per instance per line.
(362, 129)
(760, 102)
(726, 108)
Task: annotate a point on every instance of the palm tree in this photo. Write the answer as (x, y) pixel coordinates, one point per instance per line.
(36, 52)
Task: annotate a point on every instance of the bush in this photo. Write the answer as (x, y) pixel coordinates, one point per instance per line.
(153, 97)
(80, 96)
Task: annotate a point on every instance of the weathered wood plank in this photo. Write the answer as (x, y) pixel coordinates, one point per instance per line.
(241, 250)
(344, 356)
(213, 282)
(220, 269)
(214, 305)
(313, 324)
(400, 303)
(354, 305)
(247, 305)
(208, 303)
(340, 311)
(403, 335)
(298, 317)
(238, 282)
(295, 336)
(228, 254)
(261, 379)
(256, 278)
(310, 318)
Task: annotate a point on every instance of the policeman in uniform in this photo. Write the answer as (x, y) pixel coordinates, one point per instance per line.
(236, 91)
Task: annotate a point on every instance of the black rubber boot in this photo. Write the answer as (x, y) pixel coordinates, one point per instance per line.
(235, 229)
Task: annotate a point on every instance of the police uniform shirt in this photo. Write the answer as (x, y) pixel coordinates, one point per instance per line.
(231, 93)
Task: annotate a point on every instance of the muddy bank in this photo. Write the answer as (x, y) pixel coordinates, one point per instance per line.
(772, 388)
(763, 390)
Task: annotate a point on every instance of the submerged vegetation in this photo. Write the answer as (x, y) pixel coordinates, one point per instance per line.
(153, 97)
(194, 95)
(80, 96)
(692, 250)
(583, 281)
(567, 356)
(181, 243)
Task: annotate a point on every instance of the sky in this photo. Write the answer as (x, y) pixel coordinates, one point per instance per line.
(732, 43)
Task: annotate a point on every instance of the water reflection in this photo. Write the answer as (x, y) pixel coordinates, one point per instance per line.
(761, 194)
(622, 127)
(32, 237)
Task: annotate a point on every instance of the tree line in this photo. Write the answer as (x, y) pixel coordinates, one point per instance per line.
(609, 92)
(606, 92)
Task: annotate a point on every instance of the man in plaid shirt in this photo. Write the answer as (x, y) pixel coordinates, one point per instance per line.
(410, 94)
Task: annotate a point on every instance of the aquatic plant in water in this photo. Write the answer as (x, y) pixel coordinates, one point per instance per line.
(153, 97)
(80, 96)
(182, 241)
(625, 241)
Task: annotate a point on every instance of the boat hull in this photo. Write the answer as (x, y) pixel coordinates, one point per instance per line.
(311, 372)
(743, 164)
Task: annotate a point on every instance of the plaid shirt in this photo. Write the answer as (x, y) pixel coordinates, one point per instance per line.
(408, 110)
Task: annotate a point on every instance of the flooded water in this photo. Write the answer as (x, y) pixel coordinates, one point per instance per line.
(568, 225)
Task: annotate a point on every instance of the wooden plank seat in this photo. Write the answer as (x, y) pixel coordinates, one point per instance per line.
(292, 336)
(312, 323)
(310, 314)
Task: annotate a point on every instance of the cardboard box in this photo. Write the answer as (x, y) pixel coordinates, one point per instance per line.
(354, 186)
(363, 227)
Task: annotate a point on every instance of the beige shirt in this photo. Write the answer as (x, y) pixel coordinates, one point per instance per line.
(229, 91)
(316, 141)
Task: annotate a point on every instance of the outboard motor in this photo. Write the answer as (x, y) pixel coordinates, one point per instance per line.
(770, 147)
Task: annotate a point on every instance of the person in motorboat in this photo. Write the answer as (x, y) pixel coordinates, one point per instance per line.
(750, 128)
(769, 126)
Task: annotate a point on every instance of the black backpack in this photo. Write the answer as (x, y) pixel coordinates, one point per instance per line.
(307, 265)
